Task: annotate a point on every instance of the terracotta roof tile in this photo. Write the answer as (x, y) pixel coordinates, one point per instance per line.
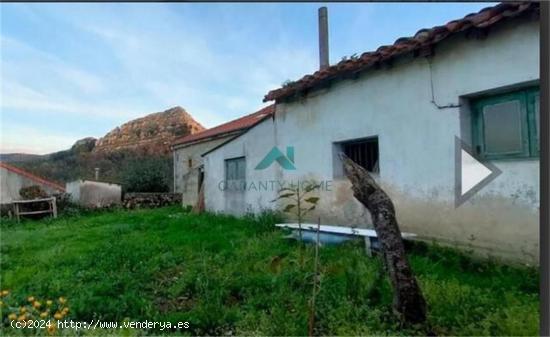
(32, 177)
(422, 39)
(238, 124)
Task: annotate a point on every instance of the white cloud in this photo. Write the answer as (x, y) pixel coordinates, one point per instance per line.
(25, 139)
(178, 63)
(21, 97)
(38, 82)
(162, 60)
(21, 61)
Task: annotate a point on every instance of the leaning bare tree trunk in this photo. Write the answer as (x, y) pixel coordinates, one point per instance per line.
(407, 300)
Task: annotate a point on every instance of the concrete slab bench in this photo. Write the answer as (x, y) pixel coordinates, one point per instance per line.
(337, 234)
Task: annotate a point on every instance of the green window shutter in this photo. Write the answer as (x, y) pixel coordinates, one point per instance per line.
(505, 125)
(533, 108)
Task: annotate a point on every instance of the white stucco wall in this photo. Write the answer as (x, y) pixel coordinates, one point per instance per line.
(186, 179)
(253, 145)
(416, 143)
(94, 193)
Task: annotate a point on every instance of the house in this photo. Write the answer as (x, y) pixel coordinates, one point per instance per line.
(187, 151)
(12, 179)
(396, 111)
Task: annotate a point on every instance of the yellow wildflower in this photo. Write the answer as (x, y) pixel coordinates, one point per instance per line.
(58, 315)
(51, 329)
(49, 302)
(30, 299)
(62, 300)
(1, 303)
(21, 318)
(44, 314)
(12, 317)
(4, 293)
(22, 310)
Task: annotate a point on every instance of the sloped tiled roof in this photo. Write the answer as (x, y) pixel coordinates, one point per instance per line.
(32, 177)
(239, 124)
(422, 40)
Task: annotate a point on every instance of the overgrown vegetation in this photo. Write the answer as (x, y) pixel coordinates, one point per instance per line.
(300, 203)
(34, 309)
(227, 275)
(69, 165)
(32, 192)
(296, 202)
(146, 175)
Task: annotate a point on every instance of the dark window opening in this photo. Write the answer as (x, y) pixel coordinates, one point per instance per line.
(364, 152)
(235, 169)
(201, 179)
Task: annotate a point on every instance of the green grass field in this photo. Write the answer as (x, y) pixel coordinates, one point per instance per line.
(239, 276)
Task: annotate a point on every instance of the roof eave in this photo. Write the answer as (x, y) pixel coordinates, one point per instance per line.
(236, 136)
(182, 145)
(417, 44)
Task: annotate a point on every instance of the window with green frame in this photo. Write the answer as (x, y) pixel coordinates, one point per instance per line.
(507, 125)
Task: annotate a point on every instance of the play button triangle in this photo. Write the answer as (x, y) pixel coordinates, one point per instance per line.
(471, 172)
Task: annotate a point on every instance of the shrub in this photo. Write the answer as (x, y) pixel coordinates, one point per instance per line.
(266, 219)
(147, 174)
(65, 207)
(6, 211)
(32, 192)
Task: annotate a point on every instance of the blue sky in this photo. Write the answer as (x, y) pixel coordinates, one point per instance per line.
(70, 71)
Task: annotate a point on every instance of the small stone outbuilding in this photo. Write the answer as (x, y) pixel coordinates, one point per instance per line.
(94, 193)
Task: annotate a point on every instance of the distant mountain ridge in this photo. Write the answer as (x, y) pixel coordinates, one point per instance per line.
(147, 137)
(19, 157)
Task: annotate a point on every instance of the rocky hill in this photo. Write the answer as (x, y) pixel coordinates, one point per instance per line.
(150, 134)
(141, 140)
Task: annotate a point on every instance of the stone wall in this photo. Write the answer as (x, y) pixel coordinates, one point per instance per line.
(150, 200)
